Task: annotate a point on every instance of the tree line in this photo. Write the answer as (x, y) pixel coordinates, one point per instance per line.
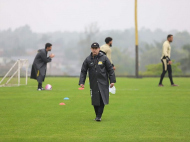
(73, 47)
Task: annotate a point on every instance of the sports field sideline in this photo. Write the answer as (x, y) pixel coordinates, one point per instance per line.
(140, 111)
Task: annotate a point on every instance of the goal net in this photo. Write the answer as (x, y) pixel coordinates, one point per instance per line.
(17, 74)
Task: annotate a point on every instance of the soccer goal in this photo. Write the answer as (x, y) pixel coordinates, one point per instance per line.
(17, 74)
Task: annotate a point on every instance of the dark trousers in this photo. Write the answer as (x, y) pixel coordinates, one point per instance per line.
(40, 80)
(169, 69)
(99, 109)
(39, 85)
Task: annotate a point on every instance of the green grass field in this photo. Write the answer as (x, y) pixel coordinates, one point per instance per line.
(140, 111)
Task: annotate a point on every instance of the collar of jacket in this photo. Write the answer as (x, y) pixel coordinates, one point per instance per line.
(44, 50)
(99, 55)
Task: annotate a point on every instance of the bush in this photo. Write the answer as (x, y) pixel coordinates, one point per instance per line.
(156, 69)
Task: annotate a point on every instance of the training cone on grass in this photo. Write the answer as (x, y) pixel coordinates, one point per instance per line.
(62, 104)
(81, 88)
(66, 98)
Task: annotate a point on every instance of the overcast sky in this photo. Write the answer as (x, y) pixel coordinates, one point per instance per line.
(74, 15)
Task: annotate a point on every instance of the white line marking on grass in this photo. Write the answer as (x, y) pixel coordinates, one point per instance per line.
(129, 89)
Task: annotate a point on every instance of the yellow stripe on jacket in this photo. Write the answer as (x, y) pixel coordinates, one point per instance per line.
(38, 73)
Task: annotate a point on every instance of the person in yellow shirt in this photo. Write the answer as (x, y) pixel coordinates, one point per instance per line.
(106, 49)
(166, 61)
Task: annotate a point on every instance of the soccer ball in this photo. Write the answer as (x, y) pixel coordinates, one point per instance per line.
(48, 87)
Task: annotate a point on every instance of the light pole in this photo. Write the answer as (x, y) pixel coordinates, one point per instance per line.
(136, 42)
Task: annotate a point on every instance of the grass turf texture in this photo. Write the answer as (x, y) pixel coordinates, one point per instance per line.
(140, 111)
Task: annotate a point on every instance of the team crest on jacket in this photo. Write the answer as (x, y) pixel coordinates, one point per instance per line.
(100, 63)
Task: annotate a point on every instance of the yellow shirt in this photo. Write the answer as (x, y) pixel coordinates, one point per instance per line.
(106, 48)
(166, 49)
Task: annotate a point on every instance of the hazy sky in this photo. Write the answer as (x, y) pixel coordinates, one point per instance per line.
(74, 15)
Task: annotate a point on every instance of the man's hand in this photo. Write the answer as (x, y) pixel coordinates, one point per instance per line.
(111, 85)
(82, 85)
(113, 67)
(170, 62)
(51, 55)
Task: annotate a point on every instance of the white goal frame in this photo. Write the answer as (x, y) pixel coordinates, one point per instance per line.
(20, 63)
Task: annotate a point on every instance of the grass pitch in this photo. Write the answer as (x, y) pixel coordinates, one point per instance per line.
(140, 111)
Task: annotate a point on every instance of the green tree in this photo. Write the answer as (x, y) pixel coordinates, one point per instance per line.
(185, 62)
(86, 41)
(124, 64)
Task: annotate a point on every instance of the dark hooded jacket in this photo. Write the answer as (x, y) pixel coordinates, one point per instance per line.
(39, 65)
(101, 73)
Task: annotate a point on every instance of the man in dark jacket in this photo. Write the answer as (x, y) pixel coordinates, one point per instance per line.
(100, 70)
(39, 65)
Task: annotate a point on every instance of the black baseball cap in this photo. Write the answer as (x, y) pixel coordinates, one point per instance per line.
(95, 45)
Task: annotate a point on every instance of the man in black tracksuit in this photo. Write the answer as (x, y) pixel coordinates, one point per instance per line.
(101, 74)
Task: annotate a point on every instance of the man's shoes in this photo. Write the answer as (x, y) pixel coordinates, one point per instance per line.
(175, 85)
(42, 88)
(97, 119)
(161, 85)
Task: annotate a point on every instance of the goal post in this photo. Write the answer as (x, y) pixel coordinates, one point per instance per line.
(17, 74)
